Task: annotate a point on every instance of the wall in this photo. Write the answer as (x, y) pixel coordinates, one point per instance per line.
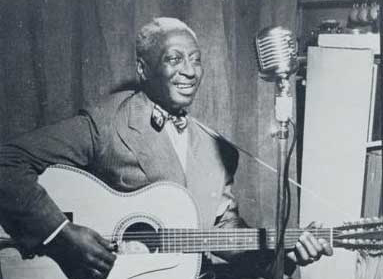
(56, 56)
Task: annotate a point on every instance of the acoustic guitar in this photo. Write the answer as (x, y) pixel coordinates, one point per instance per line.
(157, 230)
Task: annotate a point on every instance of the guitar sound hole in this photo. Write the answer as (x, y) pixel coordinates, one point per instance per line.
(142, 233)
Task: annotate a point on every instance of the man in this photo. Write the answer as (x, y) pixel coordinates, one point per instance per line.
(129, 140)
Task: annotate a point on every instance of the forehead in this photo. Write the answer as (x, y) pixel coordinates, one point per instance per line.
(178, 39)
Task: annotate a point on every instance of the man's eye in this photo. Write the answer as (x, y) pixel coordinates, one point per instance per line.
(174, 60)
(196, 59)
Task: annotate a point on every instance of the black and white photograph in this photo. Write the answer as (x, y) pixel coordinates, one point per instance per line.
(191, 139)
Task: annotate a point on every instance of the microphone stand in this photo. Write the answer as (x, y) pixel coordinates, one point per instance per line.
(283, 112)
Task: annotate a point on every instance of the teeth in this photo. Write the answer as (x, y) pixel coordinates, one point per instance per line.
(182, 86)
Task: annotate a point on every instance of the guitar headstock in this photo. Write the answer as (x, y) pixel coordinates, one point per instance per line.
(365, 234)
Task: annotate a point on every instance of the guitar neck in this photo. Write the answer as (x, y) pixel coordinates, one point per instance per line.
(195, 240)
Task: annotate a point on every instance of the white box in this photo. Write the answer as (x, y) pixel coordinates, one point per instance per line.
(359, 41)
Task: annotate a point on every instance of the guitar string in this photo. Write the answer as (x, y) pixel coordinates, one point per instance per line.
(211, 235)
(230, 230)
(220, 232)
(156, 239)
(223, 246)
(211, 238)
(289, 242)
(219, 241)
(188, 238)
(214, 242)
(181, 243)
(220, 235)
(233, 238)
(203, 247)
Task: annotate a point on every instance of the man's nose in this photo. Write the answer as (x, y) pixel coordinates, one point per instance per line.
(187, 69)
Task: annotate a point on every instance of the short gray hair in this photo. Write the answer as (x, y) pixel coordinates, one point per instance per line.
(150, 34)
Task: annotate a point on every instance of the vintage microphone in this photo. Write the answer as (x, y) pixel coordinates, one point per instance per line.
(277, 59)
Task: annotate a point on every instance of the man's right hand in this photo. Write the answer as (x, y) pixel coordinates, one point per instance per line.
(82, 253)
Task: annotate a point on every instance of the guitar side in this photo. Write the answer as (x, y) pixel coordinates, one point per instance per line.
(91, 203)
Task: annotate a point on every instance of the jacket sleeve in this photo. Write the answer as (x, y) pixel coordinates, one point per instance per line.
(27, 213)
(249, 263)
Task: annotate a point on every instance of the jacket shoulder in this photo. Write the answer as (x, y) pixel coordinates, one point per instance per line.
(105, 109)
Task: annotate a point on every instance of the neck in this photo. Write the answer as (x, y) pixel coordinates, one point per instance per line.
(164, 106)
(197, 240)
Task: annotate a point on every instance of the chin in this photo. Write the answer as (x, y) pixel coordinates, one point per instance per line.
(182, 100)
(181, 103)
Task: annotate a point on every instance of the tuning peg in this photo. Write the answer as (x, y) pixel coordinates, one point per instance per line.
(361, 221)
(374, 11)
(360, 241)
(353, 15)
(363, 13)
(368, 220)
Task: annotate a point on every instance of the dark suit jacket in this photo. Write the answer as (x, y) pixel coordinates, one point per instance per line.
(116, 142)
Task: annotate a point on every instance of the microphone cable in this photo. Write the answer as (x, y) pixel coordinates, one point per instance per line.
(286, 189)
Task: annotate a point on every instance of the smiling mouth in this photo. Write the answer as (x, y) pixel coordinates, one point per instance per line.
(184, 85)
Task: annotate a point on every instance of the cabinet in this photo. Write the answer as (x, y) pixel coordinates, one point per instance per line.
(362, 195)
(339, 83)
(311, 13)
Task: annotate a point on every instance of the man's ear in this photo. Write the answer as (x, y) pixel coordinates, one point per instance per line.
(142, 69)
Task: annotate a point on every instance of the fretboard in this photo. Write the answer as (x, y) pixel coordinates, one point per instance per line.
(195, 240)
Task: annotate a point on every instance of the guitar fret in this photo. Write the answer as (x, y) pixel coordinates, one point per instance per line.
(161, 249)
(196, 240)
(187, 241)
(174, 241)
(227, 245)
(217, 239)
(169, 231)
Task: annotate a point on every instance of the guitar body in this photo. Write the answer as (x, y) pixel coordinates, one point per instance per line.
(93, 204)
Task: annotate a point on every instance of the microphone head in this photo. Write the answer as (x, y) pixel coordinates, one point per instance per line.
(276, 49)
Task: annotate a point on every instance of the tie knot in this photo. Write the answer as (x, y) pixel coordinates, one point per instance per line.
(160, 116)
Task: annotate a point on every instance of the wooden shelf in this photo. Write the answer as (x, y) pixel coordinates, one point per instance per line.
(325, 3)
(371, 145)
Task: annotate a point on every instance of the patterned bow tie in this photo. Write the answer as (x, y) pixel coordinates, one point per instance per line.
(160, 116)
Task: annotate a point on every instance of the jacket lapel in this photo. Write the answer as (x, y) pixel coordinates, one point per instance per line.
(153, 149)
(204, 174)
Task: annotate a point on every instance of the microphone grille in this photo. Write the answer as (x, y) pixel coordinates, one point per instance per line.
(277, 51)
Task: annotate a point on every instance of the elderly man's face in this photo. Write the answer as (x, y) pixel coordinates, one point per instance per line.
(175, 71)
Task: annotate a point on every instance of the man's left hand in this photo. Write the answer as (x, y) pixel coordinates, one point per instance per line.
(309, 249)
